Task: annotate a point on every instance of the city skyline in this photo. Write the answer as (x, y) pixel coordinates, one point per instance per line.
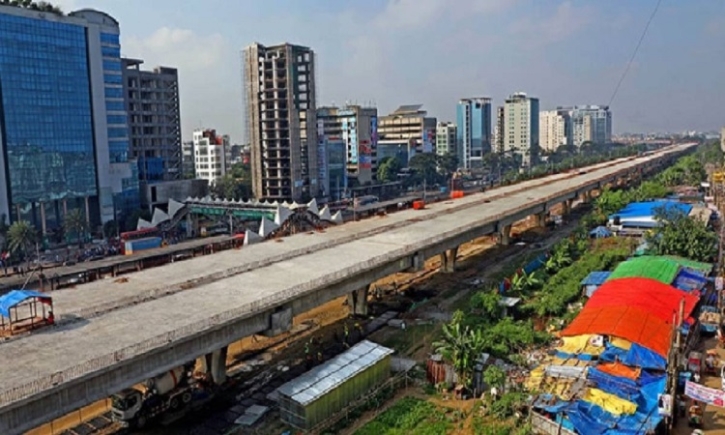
(575, 53)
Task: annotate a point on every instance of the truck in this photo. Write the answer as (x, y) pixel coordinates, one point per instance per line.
(166, 397)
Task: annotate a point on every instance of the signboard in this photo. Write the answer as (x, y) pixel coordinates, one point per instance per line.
(664, 405)
(707, 395)
(719, 282)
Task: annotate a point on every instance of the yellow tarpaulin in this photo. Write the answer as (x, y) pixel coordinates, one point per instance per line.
(580, 345)
(620, 343)
(609, 402)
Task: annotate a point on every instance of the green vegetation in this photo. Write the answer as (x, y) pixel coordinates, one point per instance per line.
(684, 236)
(410, 416)
(75, 226)
(32, 5)
(460, 345)
(236, 184)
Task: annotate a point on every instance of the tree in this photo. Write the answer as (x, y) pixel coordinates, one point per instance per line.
(75, 225)
(110, 229)
(447, 165)
(424, 165)
(460, 346)
(388, 170)
(131, 221)
(524, 281)
(228, 187)
(21, 238)
(487, 304)
(494, 376)
(682, 235)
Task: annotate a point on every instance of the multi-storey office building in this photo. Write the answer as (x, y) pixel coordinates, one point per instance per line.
(500, 132)
(63, 122)
(554, 129)
(356, 127)
(474, 131)
(521, 124)
(279, 89)
(212, 155)
(405, 132)
(590, 124)
(447, 139)
(152, 103)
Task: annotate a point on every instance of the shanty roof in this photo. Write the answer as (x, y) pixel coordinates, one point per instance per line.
(15, 297)
(661, 269)
(328, 376)
(640, 310)
(596, 278)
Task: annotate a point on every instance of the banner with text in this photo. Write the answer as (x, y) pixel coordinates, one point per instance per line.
(705, 394)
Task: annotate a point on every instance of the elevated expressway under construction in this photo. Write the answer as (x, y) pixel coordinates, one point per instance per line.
(114, 333)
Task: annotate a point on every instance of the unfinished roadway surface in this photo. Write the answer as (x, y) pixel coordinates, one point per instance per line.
(120, 333)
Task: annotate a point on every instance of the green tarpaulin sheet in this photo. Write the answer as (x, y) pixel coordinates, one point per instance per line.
(660, 269)
(691, 264)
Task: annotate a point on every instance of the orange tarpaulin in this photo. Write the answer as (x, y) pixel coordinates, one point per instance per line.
(619, 369)
(650, 295)
(630, 322)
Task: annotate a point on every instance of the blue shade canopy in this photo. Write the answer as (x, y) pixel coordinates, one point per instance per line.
(15, 297)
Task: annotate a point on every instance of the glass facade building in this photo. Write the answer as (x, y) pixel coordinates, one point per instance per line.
(45, 115)
(474, 131)
(63, 122)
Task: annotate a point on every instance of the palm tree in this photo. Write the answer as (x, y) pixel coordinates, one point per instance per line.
(21, 237)
(524, 281)
(460, 346)
(75, 224)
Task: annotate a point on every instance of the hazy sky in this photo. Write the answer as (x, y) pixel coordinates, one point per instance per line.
(433, 52)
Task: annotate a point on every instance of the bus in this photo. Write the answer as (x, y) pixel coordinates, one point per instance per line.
(139, 234)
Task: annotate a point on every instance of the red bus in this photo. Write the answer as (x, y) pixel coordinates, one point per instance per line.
(139, 234)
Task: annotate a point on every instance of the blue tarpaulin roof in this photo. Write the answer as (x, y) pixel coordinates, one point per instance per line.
(649, 208)
(596, 278)
(688, 280)
(600, 232)
(15, 297)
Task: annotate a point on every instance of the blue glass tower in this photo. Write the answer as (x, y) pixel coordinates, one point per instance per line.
(473, 117)
(62, 118)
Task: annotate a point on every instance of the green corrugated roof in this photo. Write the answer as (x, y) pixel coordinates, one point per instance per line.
(660, 269)
(690, 264)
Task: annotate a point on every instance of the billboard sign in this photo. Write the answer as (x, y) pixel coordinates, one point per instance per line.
(704, 394)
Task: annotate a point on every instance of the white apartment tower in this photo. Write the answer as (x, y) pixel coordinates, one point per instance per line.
(211, 155)
(554, 129)
(279, 92)
(521, 127)
(591, 124)
(446, 138)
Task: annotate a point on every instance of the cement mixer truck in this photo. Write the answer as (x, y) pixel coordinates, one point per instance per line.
(169, 394)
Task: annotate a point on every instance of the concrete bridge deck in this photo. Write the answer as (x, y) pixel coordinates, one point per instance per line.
(52, 372)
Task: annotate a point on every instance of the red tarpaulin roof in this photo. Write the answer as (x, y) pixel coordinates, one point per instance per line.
(631, 323)
(650, 295)
(640, 310)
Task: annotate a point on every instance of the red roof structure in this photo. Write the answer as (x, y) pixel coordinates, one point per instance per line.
(640, 310)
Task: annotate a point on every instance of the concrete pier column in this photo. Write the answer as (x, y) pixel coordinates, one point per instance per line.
(540, 219)
(358, 301)
(88, 210)
(566, 207)
(504, 235)
(43, 224)
(218, 365)
(448, 260)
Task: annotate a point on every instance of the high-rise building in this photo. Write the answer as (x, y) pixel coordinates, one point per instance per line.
(356, 127)
(590, 124)
(447, 139)
(212, 155)
(63, 123)
(405, 132)
(554, 129)
(500, 130)
(474, 131)
(521, 122)
(154, 117)
(279, 89)
(188, 165)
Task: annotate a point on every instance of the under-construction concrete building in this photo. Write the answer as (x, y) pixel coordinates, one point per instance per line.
(279, 92)
(154, 118)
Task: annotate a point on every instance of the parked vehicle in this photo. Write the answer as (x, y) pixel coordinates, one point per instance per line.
(167, 397)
